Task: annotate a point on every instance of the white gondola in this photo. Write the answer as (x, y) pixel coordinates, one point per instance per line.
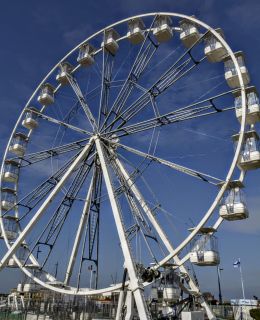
(249, 158)
(163, 30)
(135, 33)
(214, 50)
(204, 250)
(86, 55)
(189, 34)
(11, 227)
(8, 198)
(231, 72)
(30, 121)
(171, 289)
(18, 144)
(110, 41)
(46, 96)
(20, 254)
(11, 171)
(233, 205)
(253, 106)
(64, 71)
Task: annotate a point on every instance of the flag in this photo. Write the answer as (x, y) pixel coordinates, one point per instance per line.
(236, 264)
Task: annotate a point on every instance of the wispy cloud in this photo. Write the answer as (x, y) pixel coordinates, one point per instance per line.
(78, 34)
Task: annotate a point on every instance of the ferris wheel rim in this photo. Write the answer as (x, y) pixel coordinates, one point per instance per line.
(229, 174)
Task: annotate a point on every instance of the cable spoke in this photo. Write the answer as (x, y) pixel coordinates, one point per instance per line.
(107, 68)
(141, 222)
(145, 54)
(50, 234)
(31, 158)
(91, 234)
(30, 200)
(84, 220)
(155, 91)
(63, 210)
(59, 122)
(178, 70)
(153, 220)
(81, 157)
(194, 110)
(164, 120)
(74, 84)
(197, 174)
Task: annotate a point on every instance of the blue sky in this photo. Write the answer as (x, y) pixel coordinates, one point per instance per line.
(36, 35)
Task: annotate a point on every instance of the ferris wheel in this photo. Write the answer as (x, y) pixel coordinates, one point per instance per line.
(88, 180)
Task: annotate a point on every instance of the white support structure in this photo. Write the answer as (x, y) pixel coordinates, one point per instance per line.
(120, 304)
(74, 84)
(193, 288)
(82, 224)
(84, 153)
(129, 305)
(135, 285)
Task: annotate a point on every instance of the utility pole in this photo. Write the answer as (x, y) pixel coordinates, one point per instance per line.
(237, 264)
(56, 269)
(242, 281)
(219, 284)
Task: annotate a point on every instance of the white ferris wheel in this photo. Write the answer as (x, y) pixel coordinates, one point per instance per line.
(89, 173)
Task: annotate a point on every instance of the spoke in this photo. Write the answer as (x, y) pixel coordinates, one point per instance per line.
(83, 155)
(179, 69)
(94, 216)
(194, 110)
(31, 158)
(82, 224)
(92, 226)
(152, 218)
(165, 120)
(150, 95)
(145, 54)
(197, 174)
(74, 84)
(141, 222)
(57, 220)
(59, 122)
(82, 256)
(31, 199)
(108, 63)
(135, 283)
(63, 210)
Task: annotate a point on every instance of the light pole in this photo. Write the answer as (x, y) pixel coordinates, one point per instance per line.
(219, 285)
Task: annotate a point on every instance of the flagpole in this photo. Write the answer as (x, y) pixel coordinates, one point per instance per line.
(242, 282)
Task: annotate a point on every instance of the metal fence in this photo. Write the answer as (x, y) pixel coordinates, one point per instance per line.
(87, 310)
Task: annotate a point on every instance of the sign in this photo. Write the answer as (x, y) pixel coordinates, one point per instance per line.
(243, 302)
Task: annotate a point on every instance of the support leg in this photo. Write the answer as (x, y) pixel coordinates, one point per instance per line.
(129, 305)
(83, 220)
(135, 284)
(194, 290)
